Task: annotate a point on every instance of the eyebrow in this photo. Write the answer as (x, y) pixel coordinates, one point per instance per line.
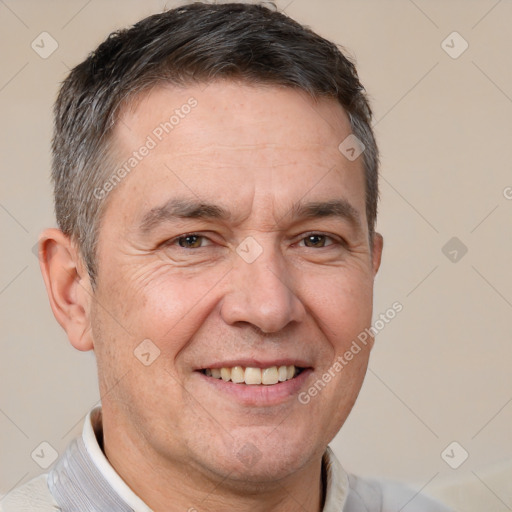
(181, 209)
(191, 209)
(339, 208)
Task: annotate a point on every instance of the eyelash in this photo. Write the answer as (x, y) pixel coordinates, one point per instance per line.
(334, 240)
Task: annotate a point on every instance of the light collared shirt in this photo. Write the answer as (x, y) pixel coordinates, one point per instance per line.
(83, 480)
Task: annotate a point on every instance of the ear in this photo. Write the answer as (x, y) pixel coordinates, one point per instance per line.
(378, 244)
(68, 286)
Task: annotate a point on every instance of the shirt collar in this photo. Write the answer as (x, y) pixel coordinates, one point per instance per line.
(83, 479)
(336, 484)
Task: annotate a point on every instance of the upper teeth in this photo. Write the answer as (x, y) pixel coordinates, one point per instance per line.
(251, 375)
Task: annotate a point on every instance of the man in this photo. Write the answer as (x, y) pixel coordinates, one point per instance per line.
(215, 180)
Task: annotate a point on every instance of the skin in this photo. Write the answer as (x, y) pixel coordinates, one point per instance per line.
(178, 440)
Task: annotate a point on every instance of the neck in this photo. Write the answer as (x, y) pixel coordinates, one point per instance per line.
(174, 485)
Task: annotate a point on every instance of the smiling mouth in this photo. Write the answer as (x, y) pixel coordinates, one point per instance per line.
(254, 376)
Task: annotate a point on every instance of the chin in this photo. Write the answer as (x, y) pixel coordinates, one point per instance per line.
(256, 458)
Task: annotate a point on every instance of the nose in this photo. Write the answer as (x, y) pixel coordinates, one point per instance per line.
(262, 293)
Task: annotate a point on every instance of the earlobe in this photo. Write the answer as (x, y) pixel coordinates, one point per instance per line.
(378, 244)
(68, 286)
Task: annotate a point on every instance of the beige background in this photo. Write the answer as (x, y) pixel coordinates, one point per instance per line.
(440, 371)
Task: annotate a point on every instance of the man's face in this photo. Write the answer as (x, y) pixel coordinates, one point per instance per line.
(273, 270)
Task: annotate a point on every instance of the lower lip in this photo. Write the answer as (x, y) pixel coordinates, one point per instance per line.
(259, 394)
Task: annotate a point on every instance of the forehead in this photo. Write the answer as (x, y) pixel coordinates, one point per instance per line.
(233, 142)
(233, 104)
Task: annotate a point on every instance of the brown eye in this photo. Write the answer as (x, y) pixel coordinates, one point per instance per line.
(190, 241)
(316, 240)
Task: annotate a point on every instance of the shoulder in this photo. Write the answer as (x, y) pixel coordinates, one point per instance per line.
(387, 496)
(34, 496)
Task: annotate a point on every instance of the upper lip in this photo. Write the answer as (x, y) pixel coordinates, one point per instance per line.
(258, 363)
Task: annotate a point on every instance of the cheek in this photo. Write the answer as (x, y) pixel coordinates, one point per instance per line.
(342, 305)
(131, 320)
(162, 303)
